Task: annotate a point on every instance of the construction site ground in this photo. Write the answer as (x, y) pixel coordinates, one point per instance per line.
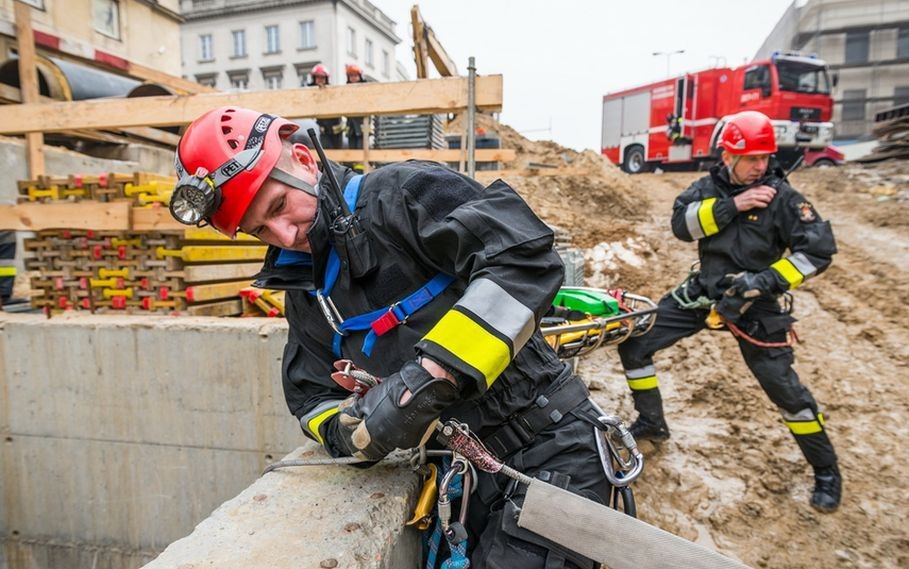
(731, 477)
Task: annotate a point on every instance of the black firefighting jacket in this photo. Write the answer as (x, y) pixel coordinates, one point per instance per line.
(421, 219)
(730, 242)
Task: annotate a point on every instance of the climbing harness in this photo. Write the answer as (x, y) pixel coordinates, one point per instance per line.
(715, 321)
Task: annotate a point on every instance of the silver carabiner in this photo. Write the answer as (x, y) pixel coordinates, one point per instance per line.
(330, 311)
(629, 459)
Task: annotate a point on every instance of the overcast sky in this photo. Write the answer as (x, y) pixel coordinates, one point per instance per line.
(559, 58)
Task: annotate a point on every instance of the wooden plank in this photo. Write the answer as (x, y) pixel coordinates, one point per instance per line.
(100, 216)
(211, 234)
(215, 253)
(399, 155)
(172, 81)
(203, 292)
(444, 64)
(203, 273)
(410, 97)
(9, 94)
(225, 308)
(420, 49)
(154, 219)
(28, 81)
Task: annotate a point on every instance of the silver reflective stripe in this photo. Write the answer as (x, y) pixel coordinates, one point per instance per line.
(803, 415)
(499, 310)
(640, 373)
(801, 262)
(692, 221)
(7, 262)
(318, 410)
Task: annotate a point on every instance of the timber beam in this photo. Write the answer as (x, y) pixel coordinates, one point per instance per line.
(410, 97)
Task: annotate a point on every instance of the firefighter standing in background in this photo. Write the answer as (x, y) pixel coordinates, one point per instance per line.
(331, 130)
(7, 268)
(744, 216)
(441, 287)
(354, 124)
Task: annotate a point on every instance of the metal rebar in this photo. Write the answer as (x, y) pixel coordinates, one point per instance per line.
(471, 115)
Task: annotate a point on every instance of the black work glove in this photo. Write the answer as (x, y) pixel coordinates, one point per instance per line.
(373, 425)
(743, 289)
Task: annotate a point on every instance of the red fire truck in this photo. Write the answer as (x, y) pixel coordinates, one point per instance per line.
(678, 120)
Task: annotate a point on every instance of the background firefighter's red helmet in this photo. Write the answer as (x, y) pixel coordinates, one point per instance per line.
(216, 137)
(748, 133)
(320, 70)
(353, 68)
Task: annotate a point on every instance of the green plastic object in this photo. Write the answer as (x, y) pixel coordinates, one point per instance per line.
(593, 302)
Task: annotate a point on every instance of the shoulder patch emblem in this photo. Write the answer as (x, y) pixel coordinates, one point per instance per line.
(806, 212)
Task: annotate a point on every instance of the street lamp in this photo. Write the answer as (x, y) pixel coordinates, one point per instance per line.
(668, 55)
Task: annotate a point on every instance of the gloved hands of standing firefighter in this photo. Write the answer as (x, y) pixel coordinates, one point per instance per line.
(741, 292)
(400, 412)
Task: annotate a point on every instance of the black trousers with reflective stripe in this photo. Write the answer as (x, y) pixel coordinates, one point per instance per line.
(771, 366)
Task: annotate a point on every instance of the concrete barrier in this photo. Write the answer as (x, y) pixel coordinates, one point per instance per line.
(121, 433)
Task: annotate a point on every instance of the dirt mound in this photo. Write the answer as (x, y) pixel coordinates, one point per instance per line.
(593, 200)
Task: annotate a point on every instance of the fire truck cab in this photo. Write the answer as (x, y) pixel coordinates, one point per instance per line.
(678, 120)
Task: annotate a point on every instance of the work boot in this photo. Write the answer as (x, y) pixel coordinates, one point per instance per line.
(645, 429)
(828, 489)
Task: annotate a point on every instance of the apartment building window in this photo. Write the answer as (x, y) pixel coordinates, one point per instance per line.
(272, 39)
(857, 47)
(274, 78)
(367, 54)
(902, 43)
(307, 34)
(239, 41)
(207, 79)
(351, 42)
(206, 53)
(854, 105)
(900, 96)
(106, 14)
(385, 67)
(239, 80)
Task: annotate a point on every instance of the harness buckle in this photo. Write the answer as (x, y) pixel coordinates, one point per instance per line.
(330, 311)
(388, 321)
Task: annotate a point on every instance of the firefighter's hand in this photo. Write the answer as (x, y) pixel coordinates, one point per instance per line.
(400, 412)
(755, 198)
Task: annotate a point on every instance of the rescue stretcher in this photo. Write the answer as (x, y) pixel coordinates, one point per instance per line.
(610, 317)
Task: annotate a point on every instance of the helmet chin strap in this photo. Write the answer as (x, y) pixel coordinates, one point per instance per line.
(293, 181)
(731, 168)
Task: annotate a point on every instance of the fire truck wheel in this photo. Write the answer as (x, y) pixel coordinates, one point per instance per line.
(634, 162)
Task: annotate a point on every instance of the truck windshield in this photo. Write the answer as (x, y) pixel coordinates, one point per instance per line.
(802, 77)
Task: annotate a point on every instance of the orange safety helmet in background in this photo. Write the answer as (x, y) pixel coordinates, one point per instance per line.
(222, 160)
(748, 133)
(351, 68)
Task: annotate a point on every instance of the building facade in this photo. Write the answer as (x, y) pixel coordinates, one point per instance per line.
(146, 32)
(253, 45)
(866, 44)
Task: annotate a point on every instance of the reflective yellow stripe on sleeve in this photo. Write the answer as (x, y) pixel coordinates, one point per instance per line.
(705, 216)
(7, 271)
(788, 271)
(313, 424)
(473, 344)
(805, 427)
(643, 384)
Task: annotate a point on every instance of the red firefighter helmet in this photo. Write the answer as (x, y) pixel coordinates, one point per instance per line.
(320, 71)
(237, 148)
(352, 68)
(748, 133)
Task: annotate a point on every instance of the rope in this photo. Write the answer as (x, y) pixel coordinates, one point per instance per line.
(791, 337)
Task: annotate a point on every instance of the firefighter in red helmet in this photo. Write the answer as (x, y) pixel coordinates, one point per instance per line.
(354, 124)
(428, 280)
(331, 129)
(757, 239)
